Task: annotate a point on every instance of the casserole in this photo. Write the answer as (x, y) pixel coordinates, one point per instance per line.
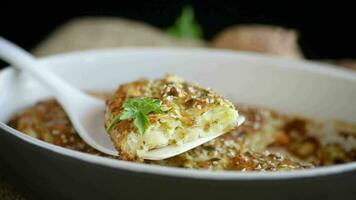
(289, 86)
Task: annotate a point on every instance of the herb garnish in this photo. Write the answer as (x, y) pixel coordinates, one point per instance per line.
(186, 26)
(138, 110)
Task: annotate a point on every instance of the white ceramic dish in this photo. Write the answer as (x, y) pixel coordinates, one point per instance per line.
(310, 89)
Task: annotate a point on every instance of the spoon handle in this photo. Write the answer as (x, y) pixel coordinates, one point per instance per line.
(23, 60)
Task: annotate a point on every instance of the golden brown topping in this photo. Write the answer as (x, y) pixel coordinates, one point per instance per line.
(252, 161)
(345, 129)
(295, 126)
(47, 121)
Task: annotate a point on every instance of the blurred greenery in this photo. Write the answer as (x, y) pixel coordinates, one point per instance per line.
(186, 25)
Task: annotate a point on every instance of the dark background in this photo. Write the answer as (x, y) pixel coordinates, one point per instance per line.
(326, 30)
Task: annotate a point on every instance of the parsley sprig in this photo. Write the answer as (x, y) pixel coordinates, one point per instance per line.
(138, 109)
(186, 26)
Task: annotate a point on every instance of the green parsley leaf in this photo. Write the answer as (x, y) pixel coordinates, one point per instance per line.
(147, 105)
(186, 26)
(141, 122)
(138, 110)
(127, 114)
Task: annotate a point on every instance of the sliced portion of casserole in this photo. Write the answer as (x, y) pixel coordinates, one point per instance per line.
(147, 115)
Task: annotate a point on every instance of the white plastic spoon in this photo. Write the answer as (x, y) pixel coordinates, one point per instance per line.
(85, 112)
